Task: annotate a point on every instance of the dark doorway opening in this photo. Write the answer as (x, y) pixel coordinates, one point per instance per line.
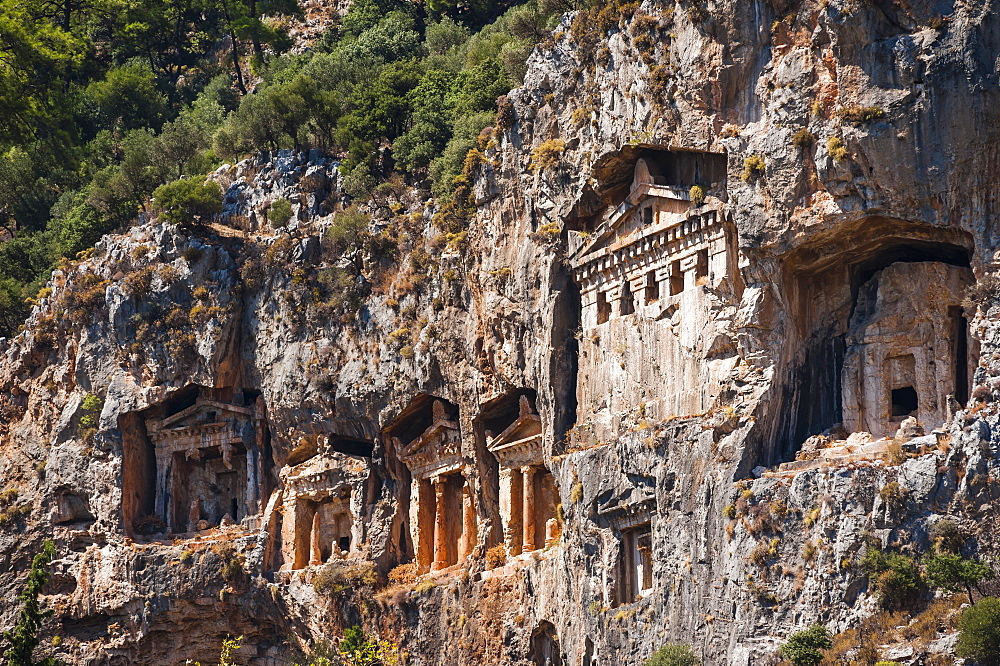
(904, 402)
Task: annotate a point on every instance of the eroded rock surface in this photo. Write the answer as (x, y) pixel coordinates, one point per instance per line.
(702, 237)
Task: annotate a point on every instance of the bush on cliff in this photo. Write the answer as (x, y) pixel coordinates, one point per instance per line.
(805, 648)
(188, 200)
(673, 654)
(979, 636)
(23, 638)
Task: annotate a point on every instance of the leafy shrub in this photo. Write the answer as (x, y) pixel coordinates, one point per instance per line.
(859, 115)
(91, 406)
(805, 648)
(947, 536)
(895, 578)
(836, 148)
(803, 138)
(697, 194)
(983, 294)
(496, 556)
(337, 577)
(404, 574)
(753, 167)
(673, 654)
(279, 213)
(955, 573)
(192, 253)
(360, 649)
(547, 155)
(23, 638)
(979, 636)
(188, 200)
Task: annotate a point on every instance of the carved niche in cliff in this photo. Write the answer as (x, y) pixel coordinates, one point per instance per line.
(528, 495)
(630, 517)
(907, 347)
(442, 516)
(317, 519)
(196, 461)
(656, 266)
(879, 332)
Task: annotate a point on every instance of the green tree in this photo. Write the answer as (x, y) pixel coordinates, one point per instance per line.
(673, 654)
(979, 632)
(359, 649)
(188, 200)
(955, 573)
(805, 648)
(23, 638)
(127, 97)
(895, 577)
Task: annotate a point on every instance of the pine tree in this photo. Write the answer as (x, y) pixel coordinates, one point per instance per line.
(24, 637)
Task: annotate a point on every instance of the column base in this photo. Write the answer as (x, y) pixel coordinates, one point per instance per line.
(437, 566)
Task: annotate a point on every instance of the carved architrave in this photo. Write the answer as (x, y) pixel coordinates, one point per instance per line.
(437, 451)
(187, 430)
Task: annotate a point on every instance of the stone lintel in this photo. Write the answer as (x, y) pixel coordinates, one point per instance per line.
(518, 453)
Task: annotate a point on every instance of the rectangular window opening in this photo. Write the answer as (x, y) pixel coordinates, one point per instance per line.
(904, 402)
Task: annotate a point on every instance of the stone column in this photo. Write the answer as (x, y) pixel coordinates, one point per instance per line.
(315, 549)
(440, 525)
(528, 513)
(468, 521)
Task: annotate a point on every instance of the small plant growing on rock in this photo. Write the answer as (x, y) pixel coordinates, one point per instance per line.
(753, 168)
(23, 638)
(496, 556)
(805, 648)
(673, 654)
(547, 233)
(547, 155)
(803, 138)
(947, 536)
(91, 407)
(697, 194)
(836, 148)
(860, 115)
(280, 213)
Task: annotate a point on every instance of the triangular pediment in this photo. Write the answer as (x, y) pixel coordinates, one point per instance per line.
(201, 413)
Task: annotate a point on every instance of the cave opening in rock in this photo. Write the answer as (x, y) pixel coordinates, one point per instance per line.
(351, 446)
(545, 645)
(860, 296)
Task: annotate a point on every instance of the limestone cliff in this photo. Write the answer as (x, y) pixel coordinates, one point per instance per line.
(714, 244)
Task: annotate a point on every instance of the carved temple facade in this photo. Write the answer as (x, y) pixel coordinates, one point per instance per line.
(528, 495)
(655, 275)
(208, 462)
(442, 510)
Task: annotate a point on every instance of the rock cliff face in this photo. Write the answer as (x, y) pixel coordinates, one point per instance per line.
(612, 408)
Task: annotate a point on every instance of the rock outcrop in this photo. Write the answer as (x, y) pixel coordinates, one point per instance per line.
(708, 239)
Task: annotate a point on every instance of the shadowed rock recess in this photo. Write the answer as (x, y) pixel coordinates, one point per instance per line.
(731, 274)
